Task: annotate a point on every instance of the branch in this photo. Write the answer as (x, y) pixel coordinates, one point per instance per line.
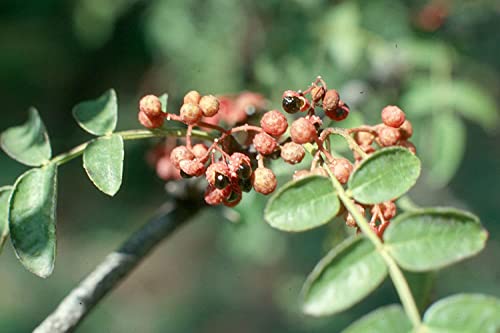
(114, 268)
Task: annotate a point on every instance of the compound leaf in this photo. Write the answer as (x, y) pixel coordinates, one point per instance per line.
(391, 318)
(98, 116)
(4, 213)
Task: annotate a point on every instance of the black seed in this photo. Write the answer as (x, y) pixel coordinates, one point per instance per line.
(185, 175)
(221, 181)
(340, 112)
(291, 104)
(244, 171)
(245, 184)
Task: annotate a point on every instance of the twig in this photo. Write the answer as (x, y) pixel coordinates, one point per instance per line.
(113, 269)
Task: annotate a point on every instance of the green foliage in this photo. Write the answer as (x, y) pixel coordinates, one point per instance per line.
(29, 143)
(32, 219)
(346, 275)
(384, 175)
(464, 313)
(433, 238)
(386, 319)
(103, 162)
(99, 116)
(164, 101)
(302, 205)
(4, 214)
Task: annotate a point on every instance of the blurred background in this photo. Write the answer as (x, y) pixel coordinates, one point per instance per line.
(439, 60)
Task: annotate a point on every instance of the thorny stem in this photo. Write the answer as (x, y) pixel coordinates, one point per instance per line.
(397, 276)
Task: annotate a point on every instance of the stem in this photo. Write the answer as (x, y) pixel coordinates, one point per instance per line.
(345, 134)
(131, 135)
(397, 276)
(114, 268)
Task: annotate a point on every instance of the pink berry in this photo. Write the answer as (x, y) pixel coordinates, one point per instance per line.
(190, 113)
(192, 97)
(209, 105)
(393, 116)
(388, 136)
(292, 152)
(179, 154)
(302, 131)
(150, 122)
(274, 123)
(264, 181)
(151, 106)
(264, 143)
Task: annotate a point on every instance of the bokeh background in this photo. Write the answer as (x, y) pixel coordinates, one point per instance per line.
(439, 60)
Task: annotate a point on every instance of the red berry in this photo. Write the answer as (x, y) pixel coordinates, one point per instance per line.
(199, 150)
(217, 174)
(192, 168)
(363, 138)
(166, 170)
(192, 97)
(190, 113)
(393, 116)
(338, 114)
(274, 123)
(240, 166)
(331, 100)
(150, 122)
(292, 152)
(406, 130)
(179, 154)
(233, 198)
(264, 143)
(349, 219)
(302, 131)
(388, 136)
(408, 145)
(317, 94)
(209, 105)
(264, 181)
(151, 106)
(388, 210)
(215, 196)
(341, 169)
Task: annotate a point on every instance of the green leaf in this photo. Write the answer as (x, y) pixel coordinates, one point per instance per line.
(29, 143)
(302, 205)
(4, 213)
(346, 275)
(99, 116)
(32, 219)
(103, 162)
(387, 319)
(164, 101)
(433, 238)
(464, 313)
(385, 175)
(448, 148)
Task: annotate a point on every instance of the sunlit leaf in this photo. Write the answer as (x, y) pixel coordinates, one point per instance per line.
(98, 116)
(387, 319)
(302, 205)
(28, 143)
(433, 238)
(346, 275)
(467, 313)
(103, 162)
(32, 219)
(384, 175)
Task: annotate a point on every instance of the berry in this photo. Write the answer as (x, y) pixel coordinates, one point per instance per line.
(217, 174)
(364, 138)
(274, 123)
(150, 122)
(234, 198)
(179, 154)
(264, 143)
(341, 169)
(215, 196)
(264, 181)
(292, 103)
(192, 97)
(306, 105)
(292, 153)
(151, 106)
(331, 101)
(388, 210)
(408, 145)
(245, 184)
(340, 113)
(299, 174)
(209, 105)
(199, 150)
(190, 113)
(166, 170)
(240, 166)
(192, 168)
(406, 130)
(393, 116)
(317, 94)
(388, 136)
(302, 131)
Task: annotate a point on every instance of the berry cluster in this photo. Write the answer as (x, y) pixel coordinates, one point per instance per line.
(234, 162)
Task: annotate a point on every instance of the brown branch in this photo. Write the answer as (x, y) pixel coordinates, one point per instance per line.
(114, 268)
